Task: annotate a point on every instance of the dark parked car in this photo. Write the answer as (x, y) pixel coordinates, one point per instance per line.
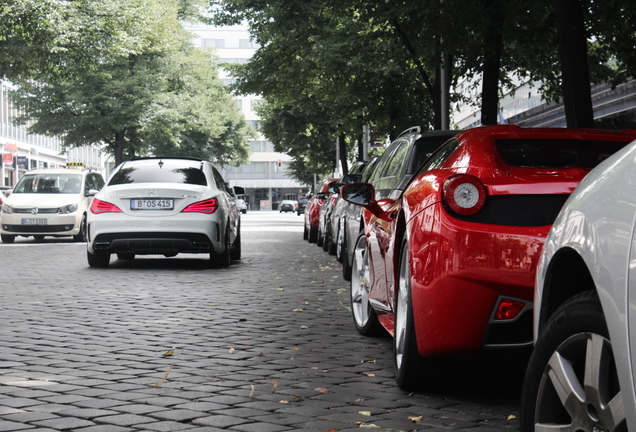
(302, 203)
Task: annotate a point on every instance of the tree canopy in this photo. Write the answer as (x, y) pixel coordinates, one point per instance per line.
(125, 73)
(358, 62)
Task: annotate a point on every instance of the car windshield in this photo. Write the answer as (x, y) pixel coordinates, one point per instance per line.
(49, 184)
(159, 173)
(556, 153)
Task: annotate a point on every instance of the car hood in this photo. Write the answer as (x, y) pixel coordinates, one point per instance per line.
(30, 200)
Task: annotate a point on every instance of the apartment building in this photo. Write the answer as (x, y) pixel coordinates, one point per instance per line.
(265, 177)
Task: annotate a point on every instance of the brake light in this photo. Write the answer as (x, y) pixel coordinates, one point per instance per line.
(207, 206)
(98, 206)
(508, 309)
(464, 194)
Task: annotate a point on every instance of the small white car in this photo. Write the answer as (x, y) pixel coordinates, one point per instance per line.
(49, 202)
(164, 206)
(581, 373)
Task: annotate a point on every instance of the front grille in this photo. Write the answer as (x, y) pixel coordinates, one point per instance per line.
(37, 228)
(518, 210)
(40, 210)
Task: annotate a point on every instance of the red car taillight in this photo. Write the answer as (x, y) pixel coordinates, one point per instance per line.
(207, 206)
(508, 309)
(99, 206)
(464, 194)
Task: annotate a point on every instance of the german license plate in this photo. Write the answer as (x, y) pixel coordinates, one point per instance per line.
(151, 204)
(31, 221)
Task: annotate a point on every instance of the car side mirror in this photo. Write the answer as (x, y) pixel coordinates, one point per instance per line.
(362, 194)
(321, 195)
(91, 192)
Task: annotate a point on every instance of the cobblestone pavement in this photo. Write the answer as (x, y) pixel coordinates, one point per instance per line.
(268, 344)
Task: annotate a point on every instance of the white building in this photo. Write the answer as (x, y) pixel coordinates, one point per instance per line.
(265, 176)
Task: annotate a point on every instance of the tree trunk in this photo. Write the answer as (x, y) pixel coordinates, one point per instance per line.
(343, 153)
(575, 74)
(493, 46)
(120, 142)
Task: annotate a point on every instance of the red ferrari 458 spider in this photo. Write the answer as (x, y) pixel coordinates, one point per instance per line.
(449, 266)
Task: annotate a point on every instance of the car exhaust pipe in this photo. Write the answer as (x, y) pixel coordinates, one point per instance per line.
(101, 245)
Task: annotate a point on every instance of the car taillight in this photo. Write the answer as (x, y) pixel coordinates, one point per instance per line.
(464, 194)
(207, 206)
(508, 309)
(99, 206)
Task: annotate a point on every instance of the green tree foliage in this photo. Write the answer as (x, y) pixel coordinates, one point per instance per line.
(126, 74)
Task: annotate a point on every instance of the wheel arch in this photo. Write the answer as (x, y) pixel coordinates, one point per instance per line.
(566, 276)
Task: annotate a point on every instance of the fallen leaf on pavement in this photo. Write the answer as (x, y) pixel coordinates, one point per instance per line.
(298, 399)
(512, 417)
(164, 377)
(252, 392)
(168, 353)
(303, 327)
(284, 402)
(231, 350)
(274, 384)
(369, 426)
(369, 374)
(322, 390)
(365, 413)
(297, 310)
(416, 419)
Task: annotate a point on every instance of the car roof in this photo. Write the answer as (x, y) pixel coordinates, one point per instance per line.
(58, 171)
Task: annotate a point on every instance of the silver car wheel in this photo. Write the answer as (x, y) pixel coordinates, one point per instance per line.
(404, 286)
(576, 381)
(339, 242)
(360, 283)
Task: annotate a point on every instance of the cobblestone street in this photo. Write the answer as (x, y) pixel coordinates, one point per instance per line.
(167, 344)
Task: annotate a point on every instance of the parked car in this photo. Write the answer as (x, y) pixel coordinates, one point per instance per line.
(333, 207)
(448, 266)
(302, 203)
(49, 202)
(390, 175)
(581, 373)
(287, 206)
(164, 206)
(241, 205)
(312, 211)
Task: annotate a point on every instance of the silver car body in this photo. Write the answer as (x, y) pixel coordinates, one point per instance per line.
(168, 230)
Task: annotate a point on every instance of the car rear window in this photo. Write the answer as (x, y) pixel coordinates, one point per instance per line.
(556, 153)
(157, 174)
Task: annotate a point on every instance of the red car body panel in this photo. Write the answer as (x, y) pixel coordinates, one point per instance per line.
(312, 211)
(460, 268)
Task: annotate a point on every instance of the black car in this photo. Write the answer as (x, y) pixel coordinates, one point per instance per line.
(300, 208)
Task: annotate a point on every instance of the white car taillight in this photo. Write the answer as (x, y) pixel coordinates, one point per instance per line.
(99, 206)
(464, 194)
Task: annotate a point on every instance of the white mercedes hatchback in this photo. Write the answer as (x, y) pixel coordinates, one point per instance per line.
(164, 206)
(49, 202)
(581, 373)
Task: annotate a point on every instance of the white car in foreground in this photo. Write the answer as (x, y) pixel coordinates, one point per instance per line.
(49, 202)
(581, 373)
(164, 206)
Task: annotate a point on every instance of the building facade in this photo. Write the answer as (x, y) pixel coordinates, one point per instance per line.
(265, 177)
(22, 152)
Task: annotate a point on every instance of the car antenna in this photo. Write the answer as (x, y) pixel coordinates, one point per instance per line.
(160, 163)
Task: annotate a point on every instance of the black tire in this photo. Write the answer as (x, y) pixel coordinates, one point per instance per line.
(7, 238)
(331, 245)
(326, 242)
(126, 256)
(38, 237)
(313, 235)
(411, 369)
(98, 259)
(305, 232)
(320, 239)
(577, 332)
(222, 260)
(364, 317)
(235, 252)
(347, 268)
(81, 236)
